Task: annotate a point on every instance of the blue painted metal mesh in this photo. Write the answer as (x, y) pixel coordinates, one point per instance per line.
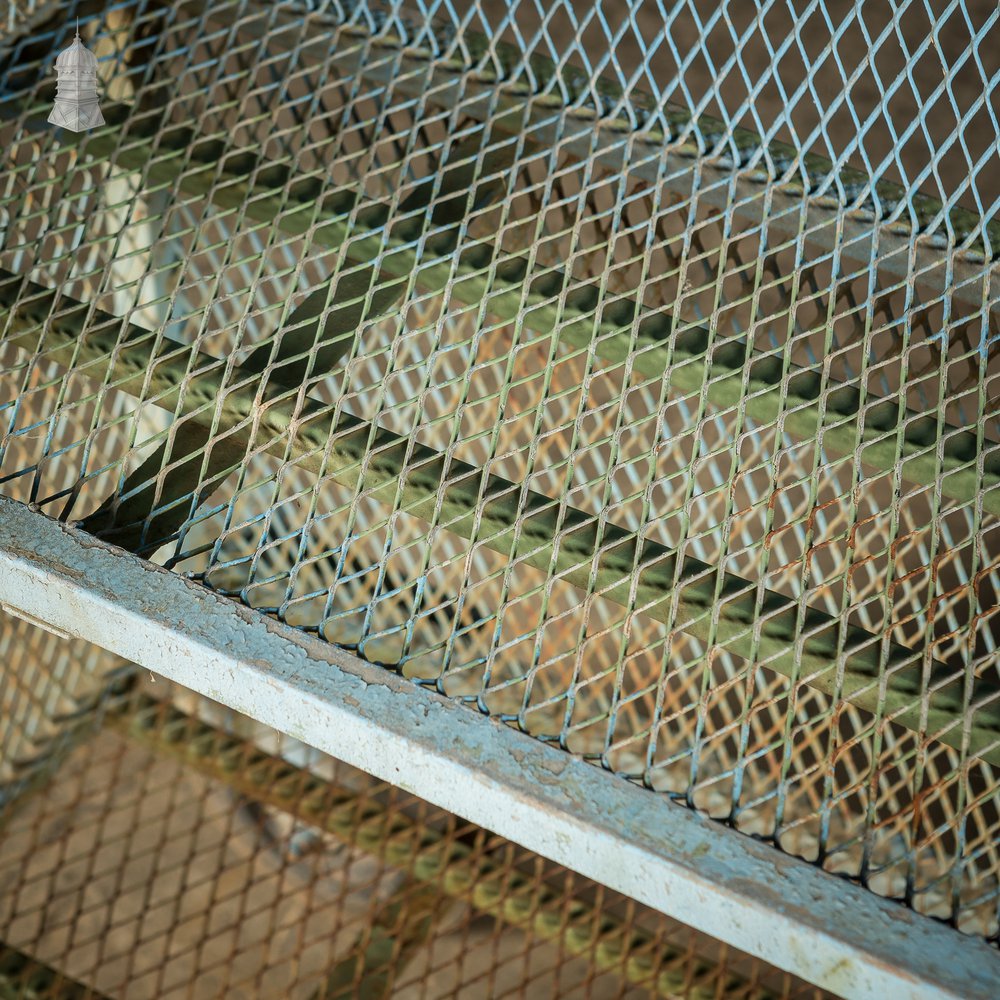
(876, 106)
(628, 373)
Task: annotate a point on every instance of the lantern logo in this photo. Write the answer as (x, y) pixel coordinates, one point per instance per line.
(76, 106)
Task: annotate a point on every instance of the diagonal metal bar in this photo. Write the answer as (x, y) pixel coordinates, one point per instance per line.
(597, 557)
(708, 876)
(454, 867)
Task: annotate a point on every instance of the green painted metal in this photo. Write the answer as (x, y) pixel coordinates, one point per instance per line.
(239, 410)
(546, 533)
(770, 390)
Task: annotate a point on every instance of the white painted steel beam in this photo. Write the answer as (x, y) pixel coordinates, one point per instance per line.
(744, 892)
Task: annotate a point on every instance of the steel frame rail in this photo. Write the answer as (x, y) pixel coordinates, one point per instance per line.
(963, 711)
(730, 886)
(453, 868)
(326, 442)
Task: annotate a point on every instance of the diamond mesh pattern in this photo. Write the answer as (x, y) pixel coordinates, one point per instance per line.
(181, 850)
(673, 447)
(903, 96)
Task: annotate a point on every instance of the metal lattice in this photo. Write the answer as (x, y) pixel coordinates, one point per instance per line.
(670, 444)
(181, 850)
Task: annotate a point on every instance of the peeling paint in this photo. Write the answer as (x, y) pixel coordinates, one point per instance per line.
(740, 890)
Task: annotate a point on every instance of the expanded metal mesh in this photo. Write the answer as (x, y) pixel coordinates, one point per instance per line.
(670, 445)
(173, 848)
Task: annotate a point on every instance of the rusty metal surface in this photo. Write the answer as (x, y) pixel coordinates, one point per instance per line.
(720, 882)
(673, 446)
(184, 850)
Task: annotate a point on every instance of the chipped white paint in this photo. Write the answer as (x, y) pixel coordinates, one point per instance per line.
(746, 893)
(32, 620)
